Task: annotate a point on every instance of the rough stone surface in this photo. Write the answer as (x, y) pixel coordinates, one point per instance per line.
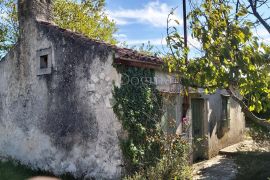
(245, 146)
(218, 136)
(217, 168)
(50, 121)
(63, 121)
(225, 166)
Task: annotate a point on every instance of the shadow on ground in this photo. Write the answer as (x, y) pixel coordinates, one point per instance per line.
(253, 165)
(217, 168)
(239, 166)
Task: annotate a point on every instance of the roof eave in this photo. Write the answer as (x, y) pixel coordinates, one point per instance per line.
(138, 63)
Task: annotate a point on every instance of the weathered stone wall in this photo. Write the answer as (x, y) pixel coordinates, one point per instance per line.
(219, 136)
(172, 97)
(60, 122)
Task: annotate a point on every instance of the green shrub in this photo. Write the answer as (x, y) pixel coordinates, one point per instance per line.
(138, 105)
(174, 163)
(148, 152)
(13, 170)
(257, 132)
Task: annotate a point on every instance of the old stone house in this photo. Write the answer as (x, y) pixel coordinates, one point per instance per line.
(56, 94)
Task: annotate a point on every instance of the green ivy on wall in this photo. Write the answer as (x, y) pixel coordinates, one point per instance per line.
(138, 105)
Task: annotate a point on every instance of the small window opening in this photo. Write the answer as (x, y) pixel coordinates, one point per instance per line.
(226, 109)
(44, 62)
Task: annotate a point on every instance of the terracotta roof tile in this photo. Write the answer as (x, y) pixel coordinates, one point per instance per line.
(123, 54)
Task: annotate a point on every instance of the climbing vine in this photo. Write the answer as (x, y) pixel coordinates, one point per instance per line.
(138, 105)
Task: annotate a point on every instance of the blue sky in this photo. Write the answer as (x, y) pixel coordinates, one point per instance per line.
(140, 21)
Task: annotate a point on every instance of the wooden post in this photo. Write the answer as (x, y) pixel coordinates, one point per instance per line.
(185, 26)
(186, 95)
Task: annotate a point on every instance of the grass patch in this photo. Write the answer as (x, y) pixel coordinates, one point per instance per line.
(14, 171)
(253, 165)
(257, 132)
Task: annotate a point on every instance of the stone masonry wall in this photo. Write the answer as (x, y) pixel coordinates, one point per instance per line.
(220, 137)
(63, 121)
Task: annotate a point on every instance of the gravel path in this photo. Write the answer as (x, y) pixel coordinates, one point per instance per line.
(224, 167)
(217, 168)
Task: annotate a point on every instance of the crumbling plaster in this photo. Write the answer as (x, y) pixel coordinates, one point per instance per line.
(220, 136)
(61, 122)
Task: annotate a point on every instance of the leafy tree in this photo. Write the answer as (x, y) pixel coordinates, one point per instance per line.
(86, 16)
(232, 58)
(8, 25)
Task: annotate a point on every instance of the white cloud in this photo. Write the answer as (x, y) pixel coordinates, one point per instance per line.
(154, 13)
(155, 42)
(262, 32)
(193, 43)
(120, 37)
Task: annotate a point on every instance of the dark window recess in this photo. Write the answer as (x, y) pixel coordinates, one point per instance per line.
(226, 110)
(44, 62)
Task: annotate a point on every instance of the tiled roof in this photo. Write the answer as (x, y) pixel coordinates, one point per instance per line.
(125, 53)
(122, 55)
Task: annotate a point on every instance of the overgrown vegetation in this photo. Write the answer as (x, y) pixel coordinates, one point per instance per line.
(148, 152)
(256, 164)
(174, 163)
(11, 170)
(85, 16)
(252, 165)
(8, 25)
(259, 133)
(138, 106)
(231, 56)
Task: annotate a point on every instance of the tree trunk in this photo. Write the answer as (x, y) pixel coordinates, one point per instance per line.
(247, 112)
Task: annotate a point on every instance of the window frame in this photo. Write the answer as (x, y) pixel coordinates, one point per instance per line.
(40, 54)
(225, 109)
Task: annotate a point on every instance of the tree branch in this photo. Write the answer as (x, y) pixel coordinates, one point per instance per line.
(258, 16)
(247, 112)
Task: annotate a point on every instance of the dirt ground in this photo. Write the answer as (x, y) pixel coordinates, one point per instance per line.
(217, 168)
(245, 160)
